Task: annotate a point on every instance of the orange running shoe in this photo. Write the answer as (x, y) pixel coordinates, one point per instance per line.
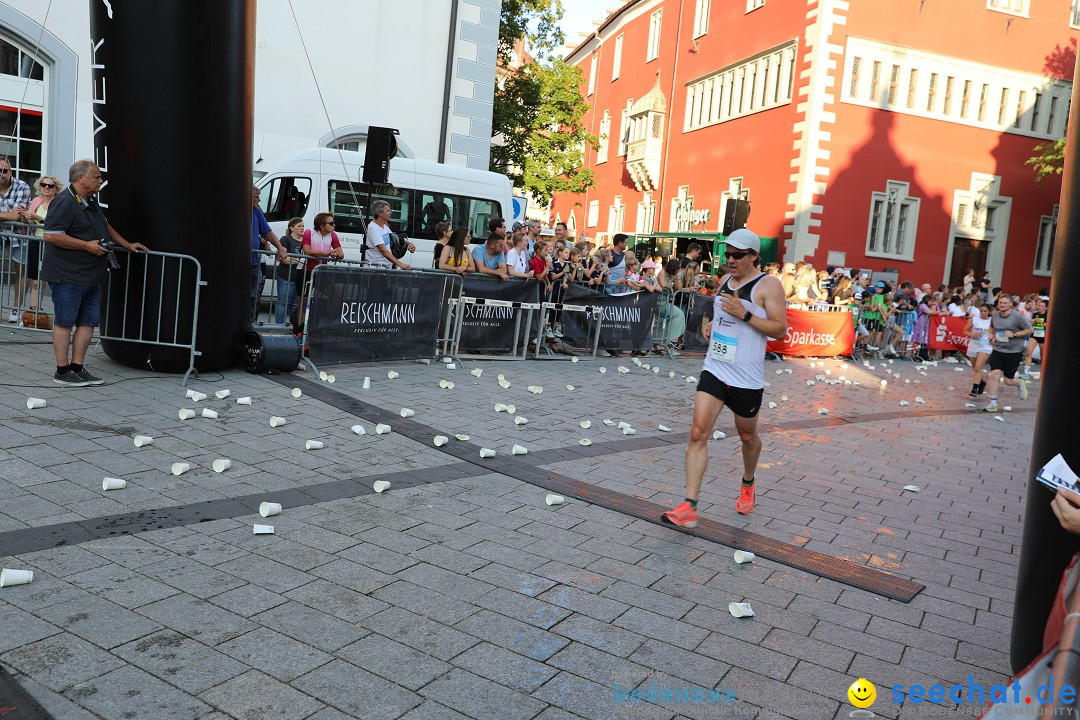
(683, 516)
(746, 501)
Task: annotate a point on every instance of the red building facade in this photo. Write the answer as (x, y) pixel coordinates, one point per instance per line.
(865, 134)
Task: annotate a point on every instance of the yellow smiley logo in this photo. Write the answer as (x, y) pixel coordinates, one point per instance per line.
(862, 693)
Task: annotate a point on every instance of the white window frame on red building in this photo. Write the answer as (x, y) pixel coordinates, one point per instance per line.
(761, 82)
(894, 220)
(593, 218)
(1074, 15)
(652, 50)
(701, 17)
(616, 215)
(1044, 247)
(616, 60)
(602, 137)
(593, 67)
(1020, 8)
(752, 5)
(624, 129)
(646, 213)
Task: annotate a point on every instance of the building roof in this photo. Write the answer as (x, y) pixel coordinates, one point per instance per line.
(626, 5)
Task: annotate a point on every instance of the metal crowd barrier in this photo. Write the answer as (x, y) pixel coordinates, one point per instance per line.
(397, 307)
(551, 305)
(522, 312)
(169, 285)
(23, 299)
(133, 325)
(695, 306)
(268, 293)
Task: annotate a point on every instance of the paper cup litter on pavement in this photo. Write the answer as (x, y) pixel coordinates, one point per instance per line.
(553, 499)
(609, 423)
(186, 413)
(179, 468)
(407, 412)
(521, 421)
(476, 373)
(392, 374)
(331, 379)
(740, 610)
(221, 465)
(34, 403)
(451, 366)
(322, 375)
(381, 429)
(263, 529)
(208, 413)
(113, 484)
(570, 388)
(359, 429)
(462, 437)
(511, 409)
(313, 445)
(623, 424)
(629, 431)
(743, 556)
(518, 450)
(267, 509)
(441, 440)
(573, 359)
(585, 441)
(198, 397)
(602, 369)
(487, 453)
(246, 400)
(296, 392)
(189, 393)
(380, 485)
(9, 577)
(367, 383)
(499, 407)
(911, 488)
(663, 428)
(276, 421)
(143, 440)
(719, 435)
(222, 394)
(585, 424)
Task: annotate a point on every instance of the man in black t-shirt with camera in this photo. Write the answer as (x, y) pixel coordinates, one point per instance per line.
(77, 255)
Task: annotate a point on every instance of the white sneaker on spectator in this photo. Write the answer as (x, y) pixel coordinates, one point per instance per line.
(601, 352)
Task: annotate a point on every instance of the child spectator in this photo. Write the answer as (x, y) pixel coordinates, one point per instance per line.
(710, 287)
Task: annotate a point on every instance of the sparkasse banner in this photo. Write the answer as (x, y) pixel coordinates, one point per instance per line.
(947, 333)
(816, 334)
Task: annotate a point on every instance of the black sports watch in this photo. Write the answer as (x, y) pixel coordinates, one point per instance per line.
(747, 316)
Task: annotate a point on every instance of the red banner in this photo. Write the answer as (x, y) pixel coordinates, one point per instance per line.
(816, 334)
(947, 333)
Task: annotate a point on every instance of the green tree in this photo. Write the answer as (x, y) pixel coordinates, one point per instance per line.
(534, 21)
(1048, 160)
(538, 119)
(540, 138)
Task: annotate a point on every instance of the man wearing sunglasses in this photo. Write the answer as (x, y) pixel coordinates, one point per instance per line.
(748, 310)
(74, 266)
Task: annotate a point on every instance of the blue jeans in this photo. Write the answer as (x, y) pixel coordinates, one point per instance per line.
(75, 305)
(286, 299)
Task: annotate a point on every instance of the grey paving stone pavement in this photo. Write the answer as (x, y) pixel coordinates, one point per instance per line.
(459, 593)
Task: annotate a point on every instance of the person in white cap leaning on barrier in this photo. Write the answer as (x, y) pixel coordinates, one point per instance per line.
(748, 310)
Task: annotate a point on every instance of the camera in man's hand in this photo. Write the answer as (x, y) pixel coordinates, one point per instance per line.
(110, 256)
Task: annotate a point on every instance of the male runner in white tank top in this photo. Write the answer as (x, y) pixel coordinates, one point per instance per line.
(748, 310)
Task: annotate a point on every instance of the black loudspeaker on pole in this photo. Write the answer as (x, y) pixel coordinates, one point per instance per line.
(173, 104)
(1047, 549)
(381, 147)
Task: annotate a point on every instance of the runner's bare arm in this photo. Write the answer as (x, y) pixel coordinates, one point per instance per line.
(774, 324)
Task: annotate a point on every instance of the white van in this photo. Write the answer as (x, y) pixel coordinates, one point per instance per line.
(304, 183)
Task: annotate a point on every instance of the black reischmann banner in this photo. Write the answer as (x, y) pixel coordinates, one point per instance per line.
(627, 323)
(489, 326)
(363, 315)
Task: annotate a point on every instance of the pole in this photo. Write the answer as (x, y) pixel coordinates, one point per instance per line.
(1046, 549)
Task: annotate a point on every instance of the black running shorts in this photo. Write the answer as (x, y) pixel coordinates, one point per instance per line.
(1007, 363)
(743, 402)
